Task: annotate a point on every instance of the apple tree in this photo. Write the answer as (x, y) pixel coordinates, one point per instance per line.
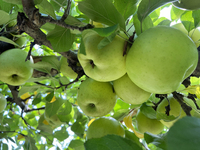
(99, 74)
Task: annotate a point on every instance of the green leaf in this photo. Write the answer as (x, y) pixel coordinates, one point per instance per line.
(4, 146)
(53, 60)
(158, 140)
(120, 114)
(18, 2)
(5, 6)
(104, 32)
(82, 47)
(187, 20)
(62, 134)
(28, 88)
(126, 7)
(49, 97)
(4, 17)
(184, 134)
(141, 27)
(102, 11)
(58, 3)
(61, 39)
(12, 122)
(196, 16)
(4, 39)
(148, 111)
(107, 40)
(131, 136)
(30, 143)
(165, 22)
(155, 14)
(111, 142)
(65, 112)
(121, 105)
(46, 8)
(147, 6)
(77, 145)
(176, 13)
(78, 128)
(164, 117)
(52, 108)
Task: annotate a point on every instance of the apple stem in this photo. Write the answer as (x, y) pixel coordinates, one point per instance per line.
(92, 63)
(92, 105)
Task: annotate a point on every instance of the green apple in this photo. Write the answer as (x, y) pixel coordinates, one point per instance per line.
(66, 70)
(21, 41)
(181, 27)
(195, 36)
(12, 23)
(145, 124)
(160, 59)
(54, 121)
(13, 67)
(188, 4)
(3, 103)
(95, 98)
(103, 126)
(105, 64)
(129, 92)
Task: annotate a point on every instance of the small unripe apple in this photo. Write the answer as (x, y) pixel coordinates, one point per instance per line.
(96, 98)
(21, 41)
(3, 103)
(103, 126)
(145, 124)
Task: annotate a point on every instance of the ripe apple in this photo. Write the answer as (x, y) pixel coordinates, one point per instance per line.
(160, 59)
(95, 98)
(105, 64)
(195, 36)
(65, 69)
(3, 103)
(129, 92)
(13, 67)
(103, 126)
(181, 27)
(188, 4)
(145, 124)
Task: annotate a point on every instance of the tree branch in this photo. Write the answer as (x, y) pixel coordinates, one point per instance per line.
(185, 107)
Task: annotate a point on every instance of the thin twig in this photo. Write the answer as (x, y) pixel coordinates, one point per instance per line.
(29, 110)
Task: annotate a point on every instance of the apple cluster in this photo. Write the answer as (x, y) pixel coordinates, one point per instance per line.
(14, 68)
(158, 61)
